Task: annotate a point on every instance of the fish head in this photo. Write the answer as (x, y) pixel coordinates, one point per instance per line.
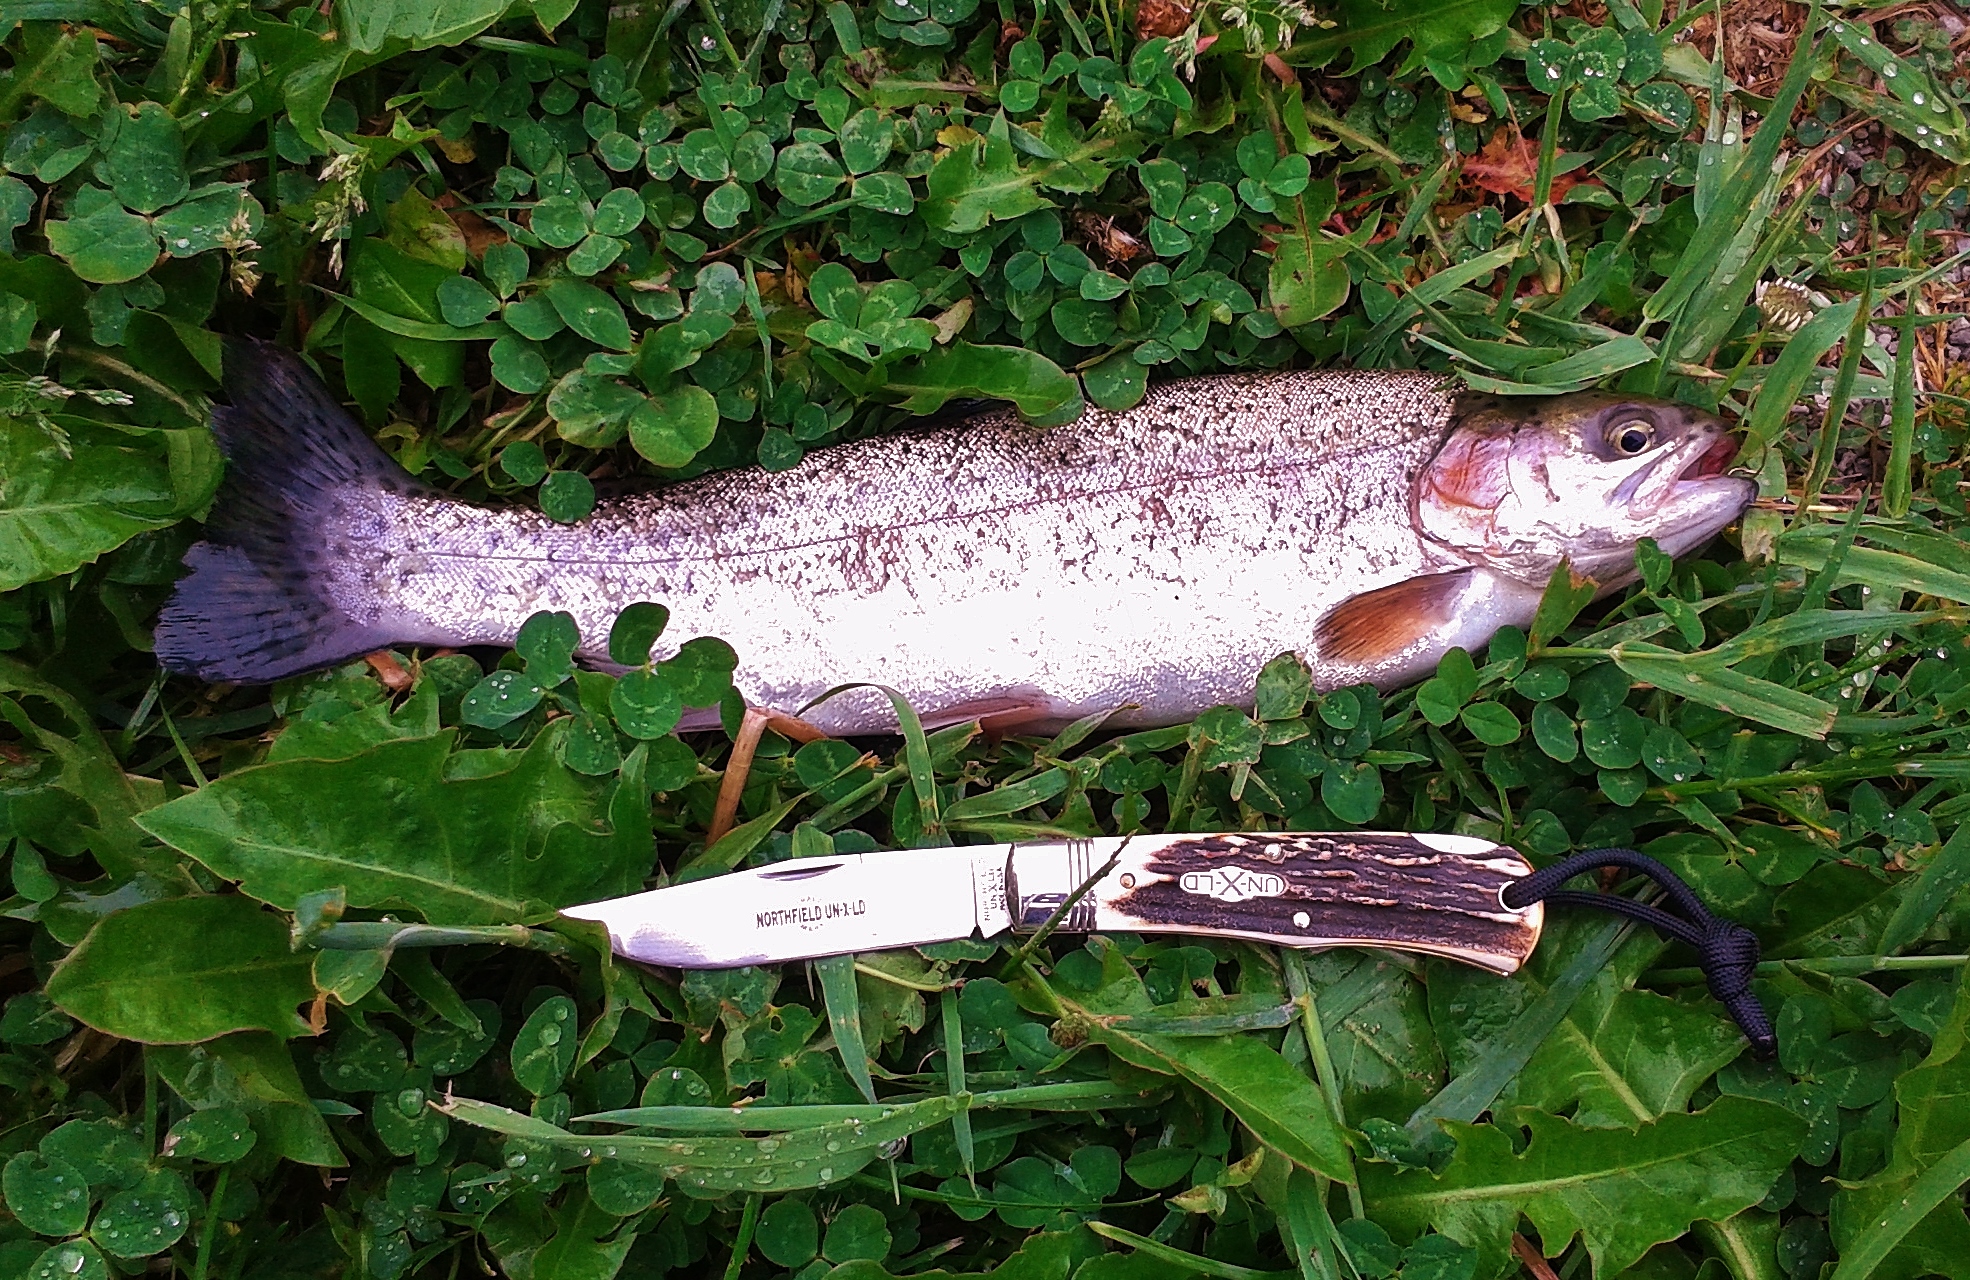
(1520, 485)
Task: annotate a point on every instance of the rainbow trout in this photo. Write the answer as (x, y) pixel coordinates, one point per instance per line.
(1148, 561)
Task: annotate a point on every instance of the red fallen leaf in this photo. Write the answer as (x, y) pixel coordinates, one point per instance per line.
(1508, 166)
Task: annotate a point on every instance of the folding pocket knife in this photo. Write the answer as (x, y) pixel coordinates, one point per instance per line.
(1438, 894)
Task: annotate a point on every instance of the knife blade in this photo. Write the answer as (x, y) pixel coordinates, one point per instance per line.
(1434, 894)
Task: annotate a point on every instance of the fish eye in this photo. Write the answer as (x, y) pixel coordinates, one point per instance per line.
(1632, 437)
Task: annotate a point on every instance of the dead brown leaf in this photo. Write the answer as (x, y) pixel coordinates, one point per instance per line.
(1162, 18)
(1508, 166)
(479, 234)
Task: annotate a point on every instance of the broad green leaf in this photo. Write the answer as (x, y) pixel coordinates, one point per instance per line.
(622, 1190)
(1566, 594)
(1623, 1056)
(523, 461)
(57, 64)
(219, 1135)
(50, 718)
(422, 229)
(566, 496)
(17, 319)
(559, 222)
(586, 1244)
(106, 246)
(185, 969)
(1378, 1032)
(591, 313)
(1620, 1191)
(371, 24)
(674, 426)
(858, 1232)
(1035, 384)
(500, 699)
(67, 501)
(635, 630)
(836, 293)
(1440, 31)
(1933, 1122)
(1281, 1106)
(788, 1234)
(465, 302)
(544, 1047)
(592, 411)
(547, 643)
(49, 1196)
(1116, 383)
(618, 213)
(494, 848)
(979, 182)
(808, 174)
(1284, 685)
(1308, 278)
(72, 1260)
(519, 366)
(145, 166)
(145, 1219)
(889, 192)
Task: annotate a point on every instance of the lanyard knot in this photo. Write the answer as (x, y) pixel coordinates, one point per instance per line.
(1726, 951)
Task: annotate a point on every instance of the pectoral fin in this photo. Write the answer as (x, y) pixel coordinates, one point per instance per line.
(1395, 634)
(1377, 626)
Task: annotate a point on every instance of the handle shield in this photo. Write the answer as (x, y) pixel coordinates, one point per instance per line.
(1437, 894)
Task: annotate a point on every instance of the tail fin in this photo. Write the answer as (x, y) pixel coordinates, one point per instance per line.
(255, 607)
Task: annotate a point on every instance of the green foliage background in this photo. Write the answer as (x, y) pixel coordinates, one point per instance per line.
(285, 990)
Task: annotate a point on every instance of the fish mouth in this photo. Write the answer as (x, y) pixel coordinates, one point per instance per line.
(1688, 467)
(1713, 463)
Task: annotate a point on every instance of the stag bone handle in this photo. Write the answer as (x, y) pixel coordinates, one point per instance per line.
(1437, 894)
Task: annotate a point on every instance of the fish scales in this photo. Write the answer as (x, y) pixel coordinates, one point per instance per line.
(1156, 556)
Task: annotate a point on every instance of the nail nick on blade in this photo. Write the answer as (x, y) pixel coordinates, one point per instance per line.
(1152, 559)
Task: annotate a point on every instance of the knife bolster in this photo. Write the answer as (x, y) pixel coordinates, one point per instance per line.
(1435, 894)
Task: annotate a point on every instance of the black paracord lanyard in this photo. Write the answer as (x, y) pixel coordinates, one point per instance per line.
(1726, 951)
